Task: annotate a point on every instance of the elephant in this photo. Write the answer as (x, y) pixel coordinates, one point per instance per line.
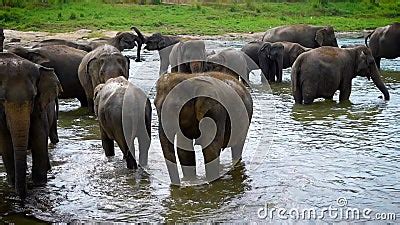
(384, 42)
(124, 113)
(1, 39)
(188, 57)
(305, 35)
(28, 92)
(98, 66)
(268, 57)
(290, 53)
(212, 108)
(51, 42)
(233, 62)
(320, 72)
(65, 62)
(163, 44)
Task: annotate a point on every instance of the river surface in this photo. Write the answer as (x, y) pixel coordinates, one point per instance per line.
(294, 157)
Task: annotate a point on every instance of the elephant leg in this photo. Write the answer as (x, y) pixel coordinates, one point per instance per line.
(128, 156)
(7, 154)
(237, 151)
(144, 145)
(345, 92)
(211, 158)
(169, 156)
(83, 101)
(187, 157)
(53, 131)
(90, 105)
(107, 143)
(40, 155)
(378, 62)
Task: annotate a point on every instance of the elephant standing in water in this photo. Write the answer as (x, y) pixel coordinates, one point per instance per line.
(319, 73)
(268, 57)
(28, 92)
(98, 66)
(213, 108)
(65, 62)
(50, 42)
(305, 35)
(188, 57)
(384, 42)
(124, 113)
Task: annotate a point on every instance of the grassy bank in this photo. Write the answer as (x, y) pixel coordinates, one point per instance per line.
(196, 18)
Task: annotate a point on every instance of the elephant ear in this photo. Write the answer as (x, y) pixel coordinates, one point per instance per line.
(320, 36)
(48, 87)
(364, 62)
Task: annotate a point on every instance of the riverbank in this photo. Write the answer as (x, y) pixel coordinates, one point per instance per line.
(195, 19)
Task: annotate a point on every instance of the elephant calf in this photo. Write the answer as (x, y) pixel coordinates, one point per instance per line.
(213, 108)
(268, 57)
(319, 73)
(98, 66)
(27, 111)
(384, 42)
(124, 113)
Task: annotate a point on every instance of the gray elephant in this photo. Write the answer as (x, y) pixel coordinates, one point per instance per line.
(188, 57)
(124, 113)
(319, 73)
(1, 39)
(98, 66)
(305, 35)
(290, 53)
(233, 62)
(65, 62)
(268, 57)
(50, 42)
(161, 43)
(27, 110)
(214, 109)
(384, 42)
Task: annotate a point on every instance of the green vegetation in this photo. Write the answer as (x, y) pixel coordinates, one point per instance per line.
(213, 17)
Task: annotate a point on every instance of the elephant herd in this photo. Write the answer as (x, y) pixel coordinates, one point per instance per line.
(204, 99)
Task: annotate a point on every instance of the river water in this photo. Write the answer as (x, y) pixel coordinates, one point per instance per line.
(294, 157)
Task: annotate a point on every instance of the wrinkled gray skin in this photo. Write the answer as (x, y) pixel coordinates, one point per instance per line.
(98, 66)
(65, 62)
(232, 62)
(190, 118)
(163, 44)
(188, 57)
(290, 53)
(50, 42)
(120, 126)
(305, 35)
(319, 73)
(1, 39)
(28, 92)
(268, 57)
(384, 42)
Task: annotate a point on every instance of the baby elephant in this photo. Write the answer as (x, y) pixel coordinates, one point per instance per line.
(214, 109)
(124, 113)
(320, 72)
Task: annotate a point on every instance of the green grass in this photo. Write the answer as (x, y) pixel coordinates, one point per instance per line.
(196, 18)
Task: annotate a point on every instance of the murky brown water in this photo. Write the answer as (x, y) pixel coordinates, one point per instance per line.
(303, 156)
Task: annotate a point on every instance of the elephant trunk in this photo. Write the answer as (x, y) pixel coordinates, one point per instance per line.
(379, 83)
(18, 122)
(264, 66)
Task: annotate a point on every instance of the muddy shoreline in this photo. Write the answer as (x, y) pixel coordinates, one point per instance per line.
(29, 38)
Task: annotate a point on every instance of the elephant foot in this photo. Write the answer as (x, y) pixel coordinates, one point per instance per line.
(131, 162)
(39, 180)
(54, 139)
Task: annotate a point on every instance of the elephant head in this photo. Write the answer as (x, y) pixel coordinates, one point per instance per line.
(124, 40)
(192, 55)
(107, 65)
(326, 37)
(25, 88)
(158, 41)
(1, 39)
(365, 66)
(271, 60)
(33, 55)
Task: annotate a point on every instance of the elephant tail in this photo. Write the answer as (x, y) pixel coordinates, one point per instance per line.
(367, 37)
(57, 108)
(295, 77)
